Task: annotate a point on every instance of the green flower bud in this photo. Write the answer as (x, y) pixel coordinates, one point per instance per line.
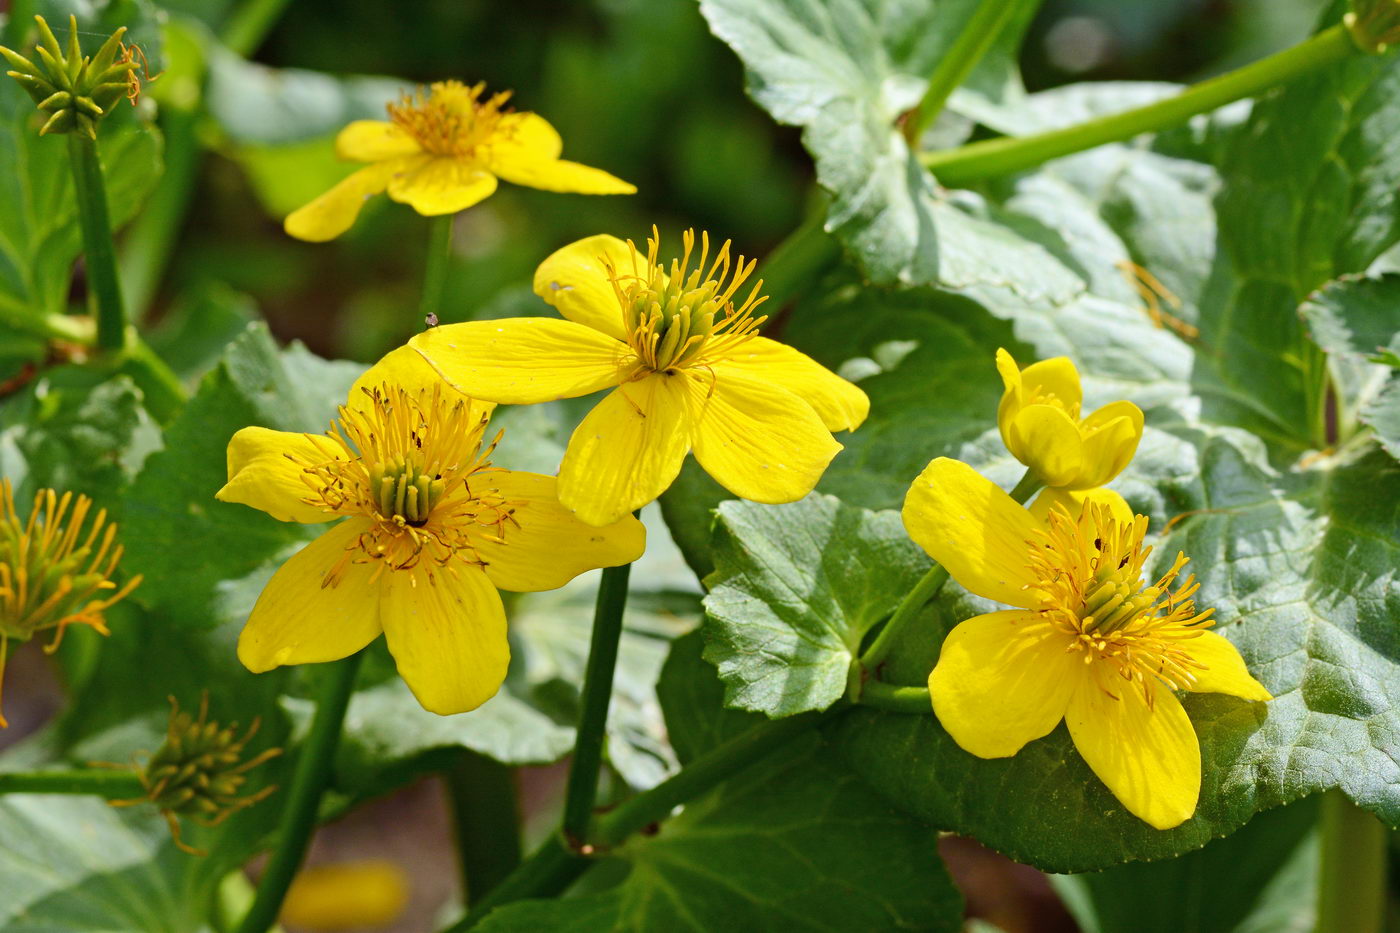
(75, 91)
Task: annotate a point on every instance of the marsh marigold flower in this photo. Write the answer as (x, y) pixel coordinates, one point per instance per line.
(440, 152)
(679, 347)
(1040, 425)
(56, 568)
(1089, 642)
(369, 894)
(429, 531)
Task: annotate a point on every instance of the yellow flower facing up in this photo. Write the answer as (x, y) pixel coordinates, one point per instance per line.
(52, 575)
(1040, 425)
(1089, 641)
(678, 345)
(440, 152)
(431, 529)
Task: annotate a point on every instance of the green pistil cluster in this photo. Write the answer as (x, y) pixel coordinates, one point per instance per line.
(199, 771)
(681, 314)
(1111, 603)
(402, 490)
(75, 90)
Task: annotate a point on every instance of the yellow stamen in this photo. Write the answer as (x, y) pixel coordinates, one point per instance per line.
(685, 317)
(450, 119)
(1091, 585)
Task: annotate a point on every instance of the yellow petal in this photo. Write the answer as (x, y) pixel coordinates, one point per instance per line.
(299, 620)
(1148, 756)
(1111, 437)
(332, 213)
(559, 175)
(433, 186)
(359, 895)
(757, 440)
(405, 367)
(1055, 377)
(841, 405)
(1225, 671)
(525, 136)
(1002, 680)
(1073, 502)
(521, 361)
(262, 473)
(977, 532)
(545, 545)
(574, 279)
(627, 450)
(374, 141)
(1045, 439)
(447, 634)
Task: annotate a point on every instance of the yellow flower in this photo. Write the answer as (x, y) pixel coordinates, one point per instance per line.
(1040, 425)
(430, 531)
(440, 153)
(1088, 641)
(688, 367)
(51, 574)
(369, 894)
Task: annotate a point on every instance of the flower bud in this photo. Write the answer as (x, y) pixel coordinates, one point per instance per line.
(74, 90)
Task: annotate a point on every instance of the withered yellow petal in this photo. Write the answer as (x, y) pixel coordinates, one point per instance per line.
(442, 185)
(447, 634)
(1225, 671)
(544, 545)
(521, 361)
(975, 530)
(841, 405)
(627, 450)
(757, 440)
(1147, 755)
(332, 213)
(1002, 680)
(575, 280)
(299, 619)
(265, 471)
(374, 141)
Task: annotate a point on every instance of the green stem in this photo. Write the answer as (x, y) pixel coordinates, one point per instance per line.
(1351, 870)
(994, 157)
(915, 600)
(485, 821)
(439, 259)
(548, 871)
(581, 793)
(793, 264)
(957, 63)
(313, 770)
(249, 25)
(111, 785)
(896, 699)
(98, 252)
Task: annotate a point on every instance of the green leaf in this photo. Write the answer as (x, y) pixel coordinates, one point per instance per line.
(183, 540)
(795, 589)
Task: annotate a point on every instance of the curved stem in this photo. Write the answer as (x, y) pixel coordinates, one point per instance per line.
(957, 63)
(98, 252)
(110, 785)
(439, 258)
(1351, 871)
(313, 769)
(880, 695)
(581, 793)
(993, 157)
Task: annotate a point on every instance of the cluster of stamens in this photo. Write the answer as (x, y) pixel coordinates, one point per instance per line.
(1091, 584)
(414, 464)
(451, 118)
(685, 316)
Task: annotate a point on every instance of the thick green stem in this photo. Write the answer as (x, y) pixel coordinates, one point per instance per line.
(987, 22)
(313, 770)
(110, 785)
(98, 252)
(485, 821)
(1351, 870)
(549, 870)
(995, 157)
(885, 696)
(439, 258)
(795, 262)
(580, 796)
(250, 24)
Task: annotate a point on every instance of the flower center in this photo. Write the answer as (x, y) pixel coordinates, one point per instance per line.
(1091, 584)
(51, 574)
(413, 464)
(451, 119)
(686, 316)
